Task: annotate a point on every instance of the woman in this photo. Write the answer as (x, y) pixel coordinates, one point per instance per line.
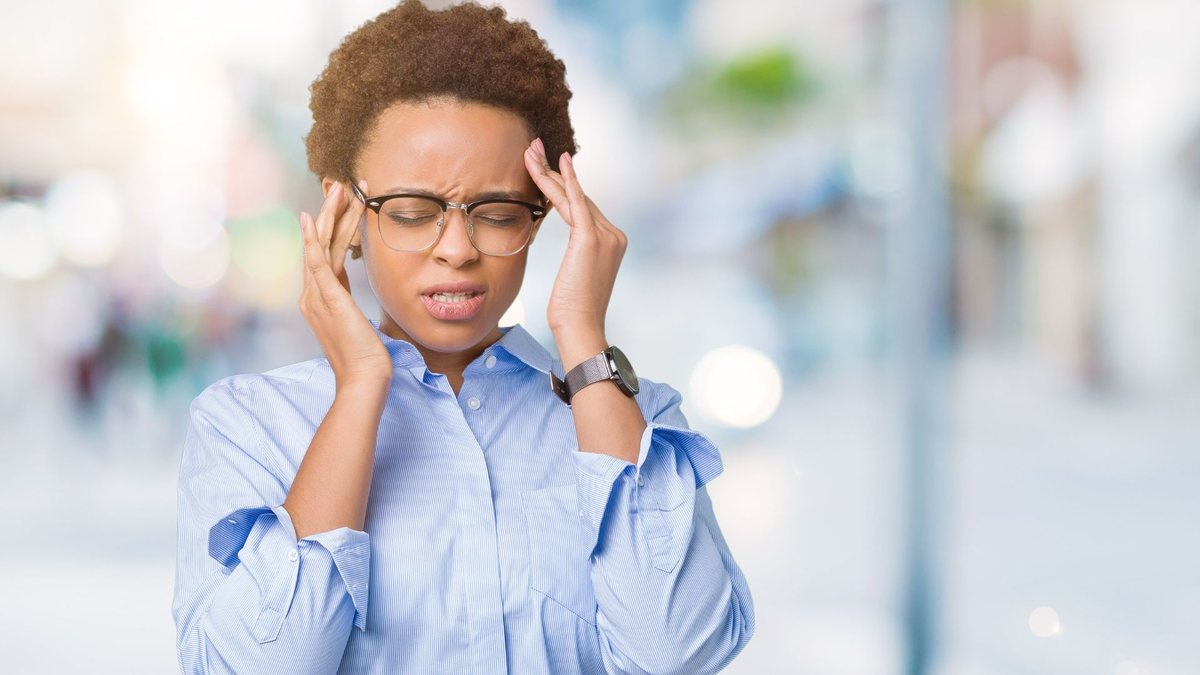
(431, 497)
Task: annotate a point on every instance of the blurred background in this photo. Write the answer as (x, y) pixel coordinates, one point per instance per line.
(927, 272)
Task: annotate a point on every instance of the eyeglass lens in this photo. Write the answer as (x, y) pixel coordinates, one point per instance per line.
(412, 224)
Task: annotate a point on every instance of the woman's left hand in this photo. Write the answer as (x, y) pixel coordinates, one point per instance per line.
(579, 299)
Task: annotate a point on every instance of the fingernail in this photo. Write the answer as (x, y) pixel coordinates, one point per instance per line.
(362, 185)
(333, 191)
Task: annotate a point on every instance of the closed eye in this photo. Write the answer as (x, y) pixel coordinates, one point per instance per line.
(402, 218)
(498, 221)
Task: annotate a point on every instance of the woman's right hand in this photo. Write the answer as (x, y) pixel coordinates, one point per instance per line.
(354, 350)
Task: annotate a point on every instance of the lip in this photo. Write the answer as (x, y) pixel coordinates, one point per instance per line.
(453, 311)
(454, 287)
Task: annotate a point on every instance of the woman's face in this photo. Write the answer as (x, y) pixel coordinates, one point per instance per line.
(457, 151)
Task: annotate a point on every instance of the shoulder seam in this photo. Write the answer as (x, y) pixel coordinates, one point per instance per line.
(243, 383)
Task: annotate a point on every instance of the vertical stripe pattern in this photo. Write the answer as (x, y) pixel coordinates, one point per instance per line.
(491, 544)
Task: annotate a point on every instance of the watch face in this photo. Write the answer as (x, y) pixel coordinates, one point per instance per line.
(625, 370)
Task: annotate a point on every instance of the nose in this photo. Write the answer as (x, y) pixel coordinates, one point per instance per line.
(454, 245)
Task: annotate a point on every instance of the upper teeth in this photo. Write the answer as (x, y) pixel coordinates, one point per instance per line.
(452, 297)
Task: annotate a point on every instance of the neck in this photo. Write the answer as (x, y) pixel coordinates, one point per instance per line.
(450, 364)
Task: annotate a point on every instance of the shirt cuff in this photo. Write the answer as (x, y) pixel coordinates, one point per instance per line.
(673, 462)
(350, 550)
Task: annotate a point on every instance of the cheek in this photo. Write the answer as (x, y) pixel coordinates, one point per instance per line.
(385, 274)
(388, 274)
(513, 278)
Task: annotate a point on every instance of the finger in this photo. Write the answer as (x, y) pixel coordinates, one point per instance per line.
(312, 249)
(359, 207)
(539, 156)
(553, 175)
(304, 271)
(344, 232)
(313, 256)
(327, 216)
(546, 177)
(550, 184)
(578, 201)
(315, 261)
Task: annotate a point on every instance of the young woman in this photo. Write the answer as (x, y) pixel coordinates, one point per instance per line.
(439, 494)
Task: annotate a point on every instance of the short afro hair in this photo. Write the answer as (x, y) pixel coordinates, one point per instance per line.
(411, 53)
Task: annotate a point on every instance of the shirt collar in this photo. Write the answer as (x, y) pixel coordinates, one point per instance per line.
(514, 340)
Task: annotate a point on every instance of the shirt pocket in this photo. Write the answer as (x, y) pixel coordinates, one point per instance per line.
(559, 550)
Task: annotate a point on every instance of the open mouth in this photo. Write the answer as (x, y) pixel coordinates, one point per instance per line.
(453, 306)
(453, 298)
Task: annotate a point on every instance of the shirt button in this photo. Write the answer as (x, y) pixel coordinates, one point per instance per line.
(473, 403)
(641, 482)
(490, 361)
(580, 513)
(293, 556)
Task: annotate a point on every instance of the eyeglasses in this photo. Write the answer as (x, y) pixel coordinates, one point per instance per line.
(412, 223)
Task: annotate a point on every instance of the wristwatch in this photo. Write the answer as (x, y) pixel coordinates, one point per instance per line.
(610, 364)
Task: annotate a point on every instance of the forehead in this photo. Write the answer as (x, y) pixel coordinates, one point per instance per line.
(447, 147)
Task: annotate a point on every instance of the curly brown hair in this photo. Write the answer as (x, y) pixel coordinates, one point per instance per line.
(411, 53)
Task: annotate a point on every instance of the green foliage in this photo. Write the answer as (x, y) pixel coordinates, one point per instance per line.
(754, 90)
(772, 78)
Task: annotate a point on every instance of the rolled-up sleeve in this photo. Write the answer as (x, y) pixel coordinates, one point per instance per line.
(250, 597)
(670, 597)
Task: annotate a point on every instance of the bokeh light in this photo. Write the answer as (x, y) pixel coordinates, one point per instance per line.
(196, 268)
(737, 386)
(86, 218)
(28, 250)
(1044, 622)
(266, 252)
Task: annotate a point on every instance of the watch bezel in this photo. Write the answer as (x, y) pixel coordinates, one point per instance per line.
(619, 364)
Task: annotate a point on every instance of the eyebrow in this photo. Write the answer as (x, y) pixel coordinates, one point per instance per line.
(493, 194)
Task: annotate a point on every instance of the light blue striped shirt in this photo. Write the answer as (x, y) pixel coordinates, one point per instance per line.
(491, 544)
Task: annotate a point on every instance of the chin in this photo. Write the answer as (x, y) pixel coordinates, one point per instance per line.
(449, 339)
(450, 336)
